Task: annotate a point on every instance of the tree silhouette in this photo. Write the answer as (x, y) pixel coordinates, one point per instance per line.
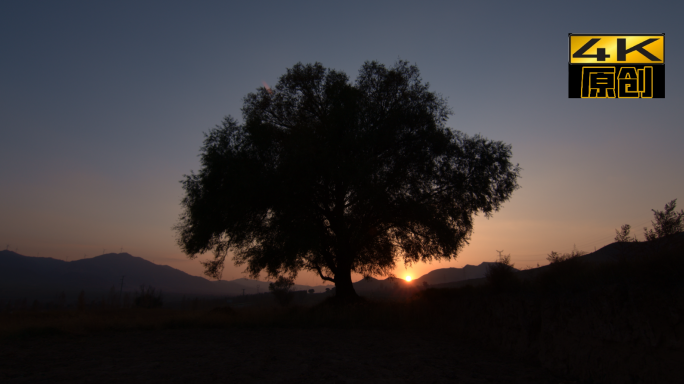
(667, 222)
(281, 290)
(622, 236)
(501, 274)
(334, 177)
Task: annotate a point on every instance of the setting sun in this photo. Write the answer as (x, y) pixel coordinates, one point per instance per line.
(408, 278)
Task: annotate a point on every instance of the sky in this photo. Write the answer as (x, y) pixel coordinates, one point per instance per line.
(103, 106)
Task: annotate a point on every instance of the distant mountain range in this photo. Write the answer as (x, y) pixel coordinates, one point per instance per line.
(447, 275)
(437, 276)
(44, 277)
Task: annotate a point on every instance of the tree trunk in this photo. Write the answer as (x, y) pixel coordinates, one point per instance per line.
(344, 290)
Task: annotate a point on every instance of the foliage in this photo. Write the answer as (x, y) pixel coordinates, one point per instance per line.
(555, 257)
(146, 298)
(281, 290)
(334, 177)
(501, 275)
(667, 222)
(565, 270)
(622, 236)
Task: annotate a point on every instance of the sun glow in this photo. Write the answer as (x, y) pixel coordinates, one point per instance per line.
(408, 278)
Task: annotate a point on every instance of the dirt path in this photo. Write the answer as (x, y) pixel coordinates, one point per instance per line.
(260, 356)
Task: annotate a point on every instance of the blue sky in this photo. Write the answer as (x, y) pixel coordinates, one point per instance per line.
(103, 106)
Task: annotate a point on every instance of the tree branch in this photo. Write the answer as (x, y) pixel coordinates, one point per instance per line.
(320, 273)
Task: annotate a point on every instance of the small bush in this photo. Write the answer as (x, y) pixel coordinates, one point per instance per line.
(565, 270)
(501, 275)
(281, 290)
(555, 257)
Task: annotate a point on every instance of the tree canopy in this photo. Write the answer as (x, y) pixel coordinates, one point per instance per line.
(336, 177)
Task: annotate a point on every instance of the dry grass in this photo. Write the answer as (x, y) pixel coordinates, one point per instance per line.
(368, 314)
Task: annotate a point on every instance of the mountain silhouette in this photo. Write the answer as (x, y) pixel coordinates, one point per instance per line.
(44, 277)
(448, 275)
(437, 276)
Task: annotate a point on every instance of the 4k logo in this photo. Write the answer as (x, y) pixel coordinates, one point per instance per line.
(616, 66)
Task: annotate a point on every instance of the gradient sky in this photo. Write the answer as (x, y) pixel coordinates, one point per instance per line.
(103, 106)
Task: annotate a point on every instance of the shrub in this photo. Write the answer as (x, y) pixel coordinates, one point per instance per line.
(501, 275)
(565, 270)
(281, 290)
(555, 257)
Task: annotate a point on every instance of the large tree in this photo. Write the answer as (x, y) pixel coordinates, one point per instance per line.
(336, 177)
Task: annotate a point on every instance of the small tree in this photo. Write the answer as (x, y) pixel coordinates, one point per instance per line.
(312, 291)
(622, 236)
(666, 223)
(501, 274)
(564, 270)
(281, 290)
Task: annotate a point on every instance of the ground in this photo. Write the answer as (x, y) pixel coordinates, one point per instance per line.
(264, 355)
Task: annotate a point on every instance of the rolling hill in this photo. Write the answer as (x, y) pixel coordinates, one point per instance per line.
(612, 252)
